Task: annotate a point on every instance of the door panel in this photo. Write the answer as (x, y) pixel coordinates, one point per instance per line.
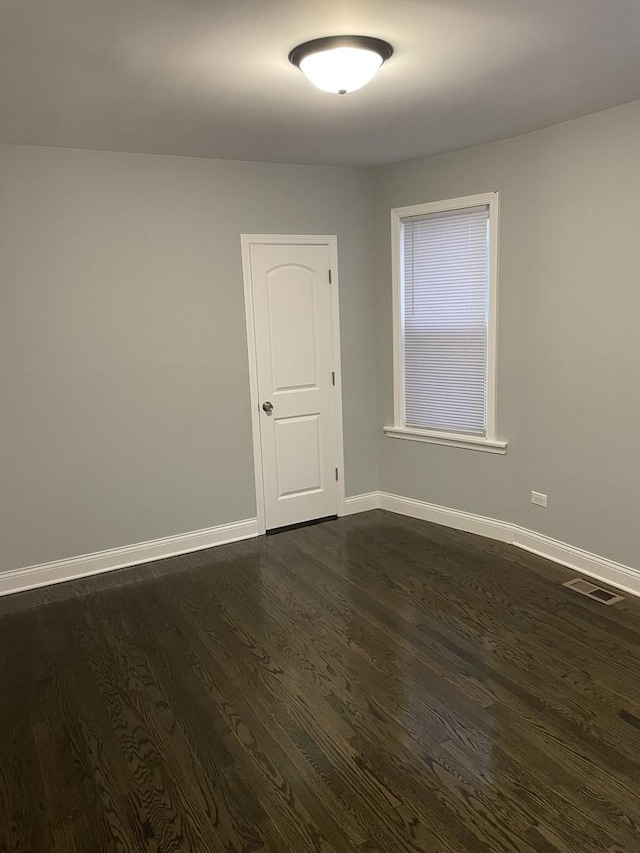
(299, 455)
(293, 336)
(290, 297)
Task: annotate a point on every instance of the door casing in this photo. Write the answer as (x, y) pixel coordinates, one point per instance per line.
(331, 241)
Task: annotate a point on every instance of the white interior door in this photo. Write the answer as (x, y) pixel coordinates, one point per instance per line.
(296, 380)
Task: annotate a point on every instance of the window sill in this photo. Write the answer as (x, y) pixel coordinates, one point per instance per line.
(466, 442)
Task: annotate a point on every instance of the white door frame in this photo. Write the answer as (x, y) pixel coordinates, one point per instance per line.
(330, 240)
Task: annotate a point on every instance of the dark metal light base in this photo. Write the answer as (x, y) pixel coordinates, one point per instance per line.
(379, 46)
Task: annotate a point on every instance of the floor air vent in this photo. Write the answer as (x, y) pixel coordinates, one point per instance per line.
(592, 591)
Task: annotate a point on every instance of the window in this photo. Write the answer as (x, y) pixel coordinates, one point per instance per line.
(445, 290)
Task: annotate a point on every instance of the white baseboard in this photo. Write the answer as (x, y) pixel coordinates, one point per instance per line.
(448, 517)
(600, 568)
(362, 503)
(128, 555)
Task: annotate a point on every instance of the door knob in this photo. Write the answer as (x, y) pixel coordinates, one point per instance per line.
(267, 407)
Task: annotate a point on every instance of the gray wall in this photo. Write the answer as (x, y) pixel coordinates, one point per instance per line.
(569, 333)
(124, 378)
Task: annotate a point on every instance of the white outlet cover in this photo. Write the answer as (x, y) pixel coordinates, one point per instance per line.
(538, 499)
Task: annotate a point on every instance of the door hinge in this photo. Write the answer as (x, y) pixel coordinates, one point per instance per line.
(336, 475)
(330, 278)
(333, 377)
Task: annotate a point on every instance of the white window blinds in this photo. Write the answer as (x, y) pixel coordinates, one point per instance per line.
(445, 320)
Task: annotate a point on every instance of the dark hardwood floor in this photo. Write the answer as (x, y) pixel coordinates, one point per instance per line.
(373, 683)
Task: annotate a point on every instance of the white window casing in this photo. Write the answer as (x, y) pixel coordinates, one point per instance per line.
(445, 274)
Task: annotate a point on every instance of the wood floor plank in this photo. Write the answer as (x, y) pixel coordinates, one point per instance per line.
(375, 683)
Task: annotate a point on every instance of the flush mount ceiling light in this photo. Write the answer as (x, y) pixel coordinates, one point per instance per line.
(340, 64)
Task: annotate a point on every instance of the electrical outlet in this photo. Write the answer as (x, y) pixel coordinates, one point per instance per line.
(538, 499)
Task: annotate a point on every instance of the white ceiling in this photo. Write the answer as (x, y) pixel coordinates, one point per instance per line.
(209, 78)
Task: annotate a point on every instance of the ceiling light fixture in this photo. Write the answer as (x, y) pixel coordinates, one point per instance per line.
(340, 64)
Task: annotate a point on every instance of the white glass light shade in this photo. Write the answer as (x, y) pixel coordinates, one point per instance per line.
(341, 69)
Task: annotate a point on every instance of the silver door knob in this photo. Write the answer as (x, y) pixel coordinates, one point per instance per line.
(267, 407)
